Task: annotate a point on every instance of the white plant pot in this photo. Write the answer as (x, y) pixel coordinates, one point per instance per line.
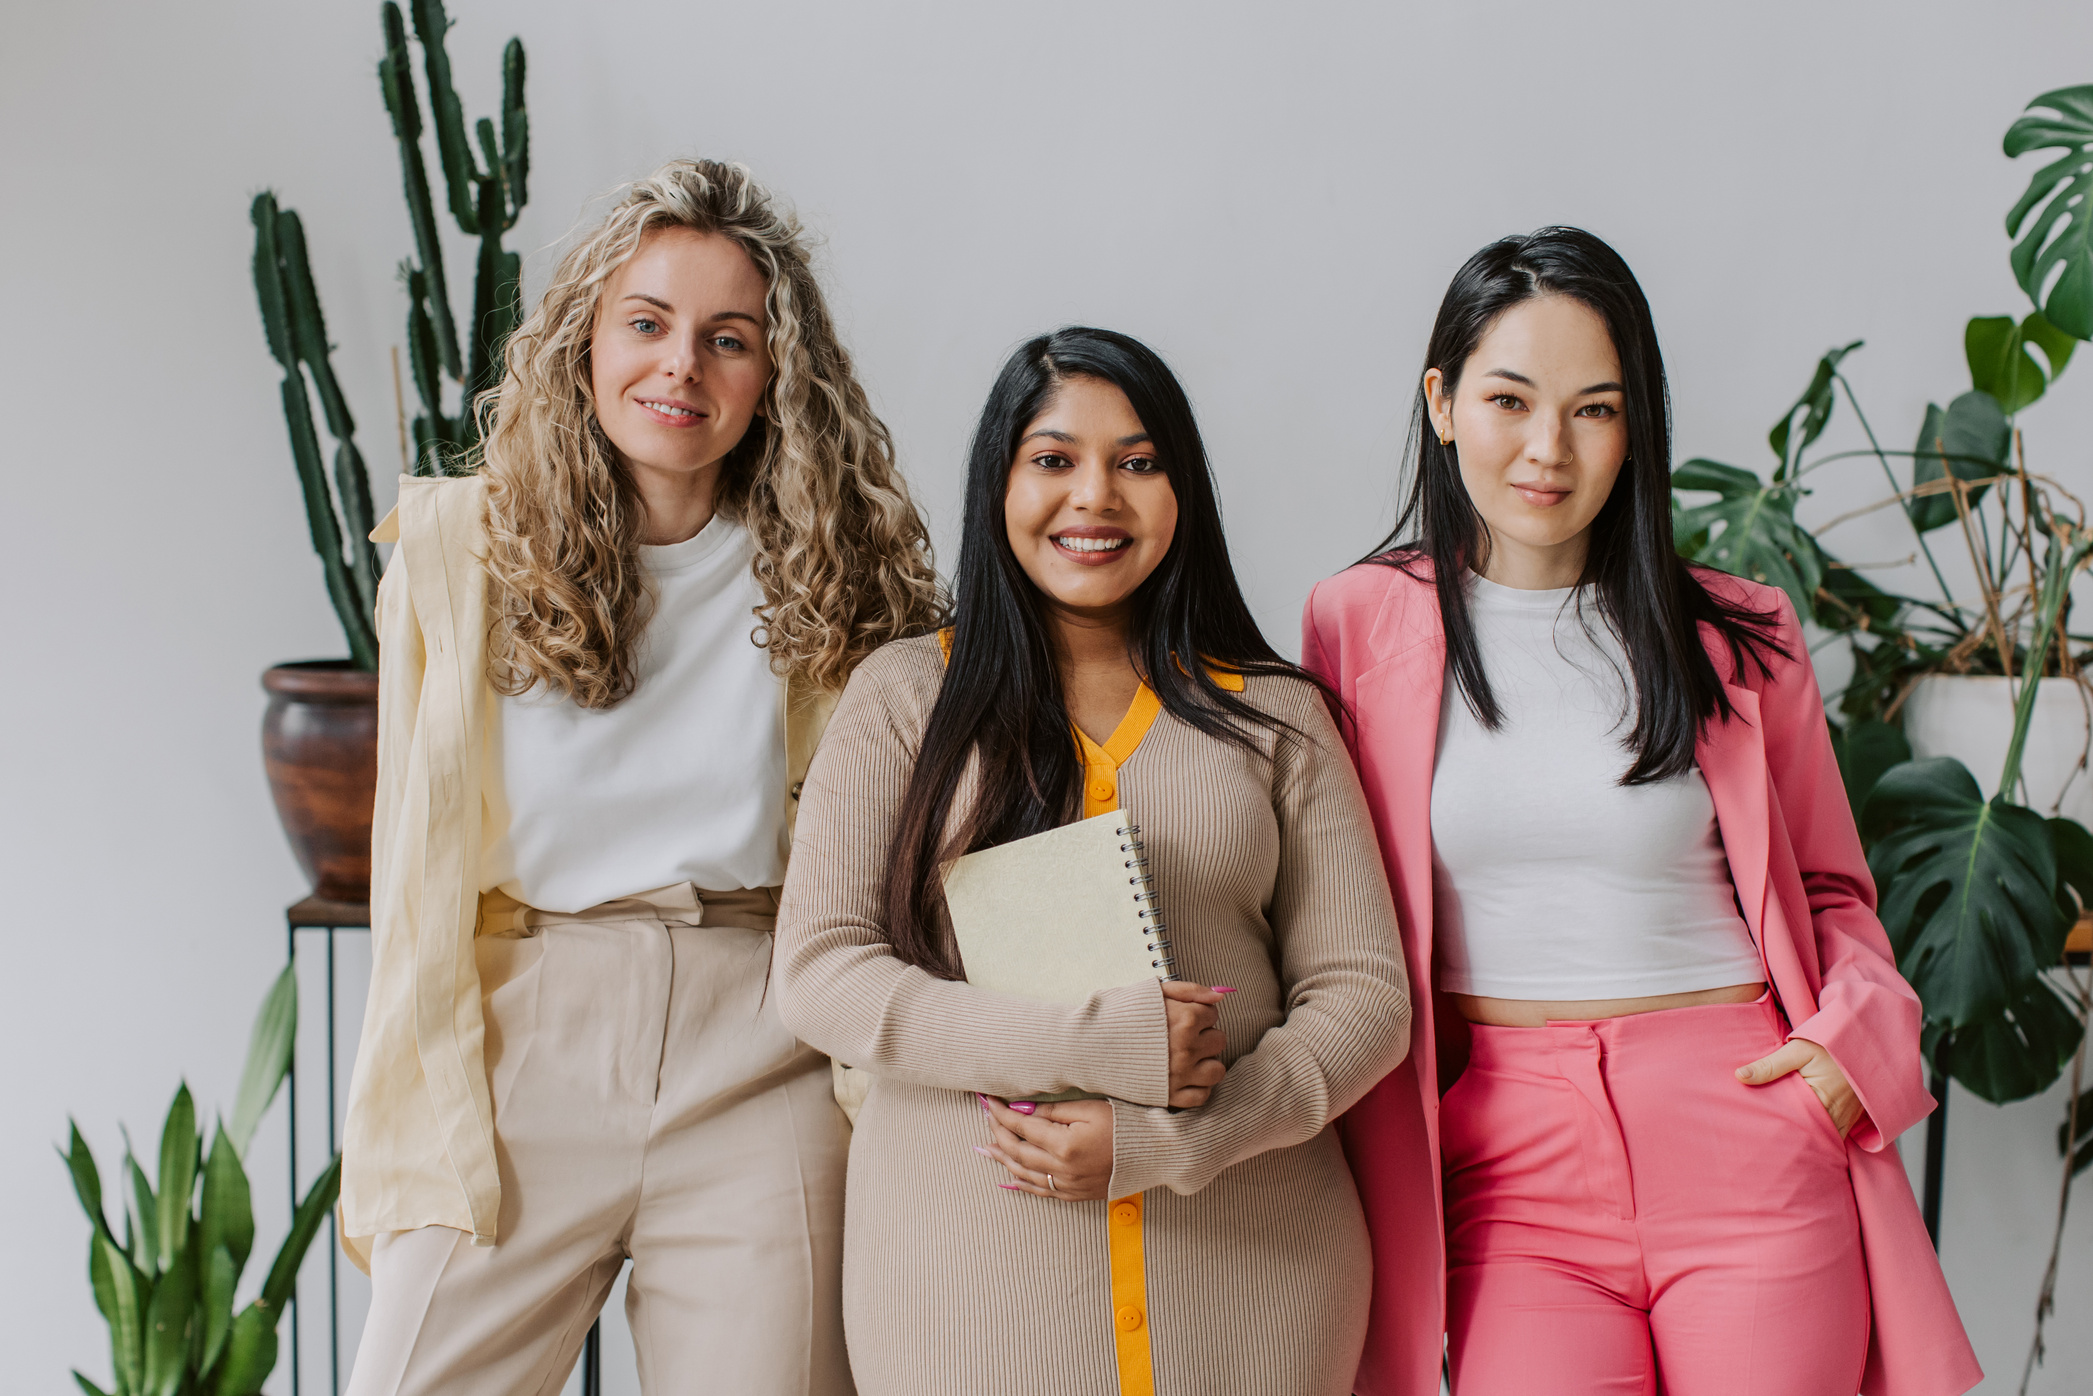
(1970, 717)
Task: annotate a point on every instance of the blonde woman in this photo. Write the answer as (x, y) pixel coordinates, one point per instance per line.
(606, 658)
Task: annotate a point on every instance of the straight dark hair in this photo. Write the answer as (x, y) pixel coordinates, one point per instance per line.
(1001, 702)
(1649, 595)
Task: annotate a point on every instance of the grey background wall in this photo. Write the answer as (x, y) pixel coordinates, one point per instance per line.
(1273, 196)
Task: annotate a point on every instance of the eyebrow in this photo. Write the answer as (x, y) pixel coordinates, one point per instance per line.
(1607, 387)
(1135, 440)
(719, 315)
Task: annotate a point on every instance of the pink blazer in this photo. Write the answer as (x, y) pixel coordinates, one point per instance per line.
(1375, 634)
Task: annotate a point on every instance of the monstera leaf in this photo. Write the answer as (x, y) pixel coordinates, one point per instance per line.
(1814, 409)
(2017, 1052)
(1865, 750)
(1999, 361)
(1977, 905)
(1749, 531)
(1970, 440)
(2057, 241)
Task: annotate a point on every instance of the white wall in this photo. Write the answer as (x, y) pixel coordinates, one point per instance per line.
(1273, 196)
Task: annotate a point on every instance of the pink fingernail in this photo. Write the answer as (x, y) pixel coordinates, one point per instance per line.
(985, 1153)
(1023, 1107)
(984, 1105)
(1013, 1187)
(1219, 990)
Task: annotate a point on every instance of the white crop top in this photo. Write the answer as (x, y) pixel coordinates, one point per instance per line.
(682, 781)
(1551, 879)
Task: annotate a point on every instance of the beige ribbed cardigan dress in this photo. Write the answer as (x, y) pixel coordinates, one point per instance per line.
(1256, 1262)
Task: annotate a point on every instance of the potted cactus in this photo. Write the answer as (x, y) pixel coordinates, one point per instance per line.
(320, 732)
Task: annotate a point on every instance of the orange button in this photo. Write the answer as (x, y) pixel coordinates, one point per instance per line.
(1129, 1318)
(1101, 790)
(1126, 1214)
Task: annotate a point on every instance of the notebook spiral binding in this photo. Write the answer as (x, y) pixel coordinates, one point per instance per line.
(1144, 884)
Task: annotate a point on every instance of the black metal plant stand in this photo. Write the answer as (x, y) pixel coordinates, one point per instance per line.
(330, 918)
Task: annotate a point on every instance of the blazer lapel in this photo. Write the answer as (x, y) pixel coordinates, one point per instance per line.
(1732, 758)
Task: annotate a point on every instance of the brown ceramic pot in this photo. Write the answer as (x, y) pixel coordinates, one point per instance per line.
(320, 743)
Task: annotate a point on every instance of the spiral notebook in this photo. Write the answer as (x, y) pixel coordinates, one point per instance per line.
(1060, 915)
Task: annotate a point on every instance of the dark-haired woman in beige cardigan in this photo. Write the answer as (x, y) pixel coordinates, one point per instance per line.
(994, 1245)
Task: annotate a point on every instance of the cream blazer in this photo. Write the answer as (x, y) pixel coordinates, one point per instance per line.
(418, 1144)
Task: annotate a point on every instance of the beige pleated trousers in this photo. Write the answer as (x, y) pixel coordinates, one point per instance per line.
(648, 1106)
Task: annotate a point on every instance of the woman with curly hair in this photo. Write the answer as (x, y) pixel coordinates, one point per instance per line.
(607, 655)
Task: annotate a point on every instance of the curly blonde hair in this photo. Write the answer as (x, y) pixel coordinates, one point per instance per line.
(841, 554)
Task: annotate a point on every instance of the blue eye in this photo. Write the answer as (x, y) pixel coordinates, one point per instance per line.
(644, 325)
(728, 342)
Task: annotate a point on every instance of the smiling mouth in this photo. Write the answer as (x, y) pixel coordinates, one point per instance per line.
(674, 411)
(1091, 546)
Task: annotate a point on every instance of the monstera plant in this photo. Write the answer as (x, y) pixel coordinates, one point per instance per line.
(1978, 894)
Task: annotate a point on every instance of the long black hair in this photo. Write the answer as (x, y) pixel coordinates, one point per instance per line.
(1645, 590)
(1001, 700)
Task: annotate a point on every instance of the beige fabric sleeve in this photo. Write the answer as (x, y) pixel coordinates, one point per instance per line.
(1346, 993)
(839, 985)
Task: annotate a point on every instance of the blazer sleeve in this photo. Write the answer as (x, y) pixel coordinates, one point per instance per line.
(1867, 1016)
(1322, 654)
(842, 989)
(1347, 999)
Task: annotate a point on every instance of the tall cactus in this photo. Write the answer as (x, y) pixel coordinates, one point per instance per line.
(485, 203)
(298, 339)
(484, 200)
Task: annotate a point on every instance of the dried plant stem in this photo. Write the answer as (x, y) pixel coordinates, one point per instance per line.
(1985, 581)
(2046, 1301)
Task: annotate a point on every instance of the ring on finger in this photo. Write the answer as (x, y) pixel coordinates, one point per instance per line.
(1051, 1185)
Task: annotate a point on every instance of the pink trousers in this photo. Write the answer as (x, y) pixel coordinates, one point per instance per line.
(1624, 1216)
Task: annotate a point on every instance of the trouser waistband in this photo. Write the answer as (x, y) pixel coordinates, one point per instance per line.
(678, 904)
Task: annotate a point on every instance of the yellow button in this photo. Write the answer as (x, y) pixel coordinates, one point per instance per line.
(1129, 1318)
(1101, 790)
(1126, 1214)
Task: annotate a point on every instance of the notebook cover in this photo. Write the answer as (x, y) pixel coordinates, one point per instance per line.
(1057, 916)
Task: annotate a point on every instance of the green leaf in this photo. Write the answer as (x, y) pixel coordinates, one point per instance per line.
(1814, 407)
(1865, 750)
(127, 1328)
(1848, 601)
(250, 1353)
(87, 1180)
(268, 1058)
(87, 1386)
(100, 1277)
(1749, 532)
(2057, 242)
(170, 1321)
(177, 1172)
(221, 1274)
(2000, 364)
(2018, 1051)
(145, 1219)
(305, 1224)
(1968, 889)
(228, 1209)
(2074, 850)
(2056, 346)
(1971, 441)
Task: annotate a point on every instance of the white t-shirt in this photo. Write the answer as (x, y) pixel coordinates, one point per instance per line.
(682, 781)
(1551, 879)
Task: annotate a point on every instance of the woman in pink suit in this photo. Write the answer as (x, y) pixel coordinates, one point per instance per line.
(1642, 1140)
